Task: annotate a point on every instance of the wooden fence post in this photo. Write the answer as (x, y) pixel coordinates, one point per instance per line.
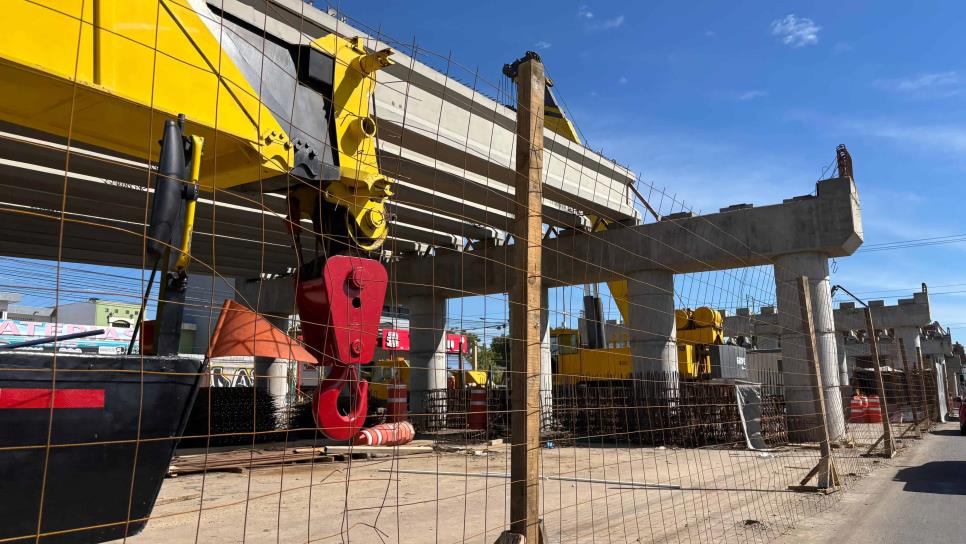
(889, 445)
(922, 388)
(526, 303)
(828, 476)
(913, 396)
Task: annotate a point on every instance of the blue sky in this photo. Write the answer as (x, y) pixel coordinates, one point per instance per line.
(741, 101)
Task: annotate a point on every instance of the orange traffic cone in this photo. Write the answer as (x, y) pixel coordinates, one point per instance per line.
(241, 332)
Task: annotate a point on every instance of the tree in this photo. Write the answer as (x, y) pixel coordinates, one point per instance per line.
(492, 358)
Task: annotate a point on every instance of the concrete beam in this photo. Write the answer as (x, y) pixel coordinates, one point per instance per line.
(827, 223)
(911, 312)
(428, 119)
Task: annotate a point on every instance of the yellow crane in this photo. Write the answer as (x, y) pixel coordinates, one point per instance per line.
(292, 118)
(108, 73)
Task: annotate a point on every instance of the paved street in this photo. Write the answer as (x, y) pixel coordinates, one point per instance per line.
(920, 498)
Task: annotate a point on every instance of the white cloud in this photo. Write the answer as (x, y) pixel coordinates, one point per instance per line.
(584, 12)
(941, 138)
(622, 80)
(796, 31)
(542, 45)
(921, 82)
(751, 95)
(709, 33)
(607, 24)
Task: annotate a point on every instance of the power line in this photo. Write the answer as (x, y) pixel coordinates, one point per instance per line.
(907, 244)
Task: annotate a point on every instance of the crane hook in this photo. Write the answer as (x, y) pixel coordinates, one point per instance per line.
(325, 403)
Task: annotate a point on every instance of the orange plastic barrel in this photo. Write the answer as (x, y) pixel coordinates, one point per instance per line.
(873, 414)
(398, 402)
(857, 410)
(476, 418)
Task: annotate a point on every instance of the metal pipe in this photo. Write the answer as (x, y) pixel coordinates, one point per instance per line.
(49, 339)
(557, 478)
(637, 193)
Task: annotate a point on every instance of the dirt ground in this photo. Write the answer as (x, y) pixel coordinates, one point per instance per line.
(724, 495)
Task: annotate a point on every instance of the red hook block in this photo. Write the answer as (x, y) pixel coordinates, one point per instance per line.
(341, 310)
(325, 403)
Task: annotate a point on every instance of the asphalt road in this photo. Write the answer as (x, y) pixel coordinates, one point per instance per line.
(921, 498)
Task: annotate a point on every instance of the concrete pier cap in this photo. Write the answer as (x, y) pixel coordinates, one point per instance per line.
(905, 318)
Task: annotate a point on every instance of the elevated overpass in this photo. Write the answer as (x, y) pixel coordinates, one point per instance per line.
(450, 147)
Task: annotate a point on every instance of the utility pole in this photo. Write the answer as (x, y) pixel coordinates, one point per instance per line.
(526, 301)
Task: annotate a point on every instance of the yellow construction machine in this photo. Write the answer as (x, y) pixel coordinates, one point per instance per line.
(274, 116)
(697, 332)
(397, 370)
(385, 372)
(108, 73)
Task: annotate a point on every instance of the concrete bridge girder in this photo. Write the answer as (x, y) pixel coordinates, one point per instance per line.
(797, 237)
(828, 223)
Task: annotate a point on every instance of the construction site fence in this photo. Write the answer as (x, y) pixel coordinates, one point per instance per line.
(908, 395)
(657, 408)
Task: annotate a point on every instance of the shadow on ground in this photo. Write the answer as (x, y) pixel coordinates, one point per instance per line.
(939, 477)
(946, 432)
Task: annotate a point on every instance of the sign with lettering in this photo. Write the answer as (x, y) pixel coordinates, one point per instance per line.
(398, 340)
(395, 340)
(114, 340)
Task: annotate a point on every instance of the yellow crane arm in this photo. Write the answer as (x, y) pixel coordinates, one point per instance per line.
(109, 73)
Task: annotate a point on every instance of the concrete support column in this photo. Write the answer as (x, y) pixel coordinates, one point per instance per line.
(427, 349)
(651, 327)
(546, 370)
(272, 374)
(799, 394)
(275, 301)
(940, 365)
(843, 359)
(953, 371)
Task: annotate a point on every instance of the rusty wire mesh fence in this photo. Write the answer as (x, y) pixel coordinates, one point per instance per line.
(675, 367)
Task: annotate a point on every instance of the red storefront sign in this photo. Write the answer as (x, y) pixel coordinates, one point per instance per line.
(456, 343)
(398, 340)
(395, 340)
